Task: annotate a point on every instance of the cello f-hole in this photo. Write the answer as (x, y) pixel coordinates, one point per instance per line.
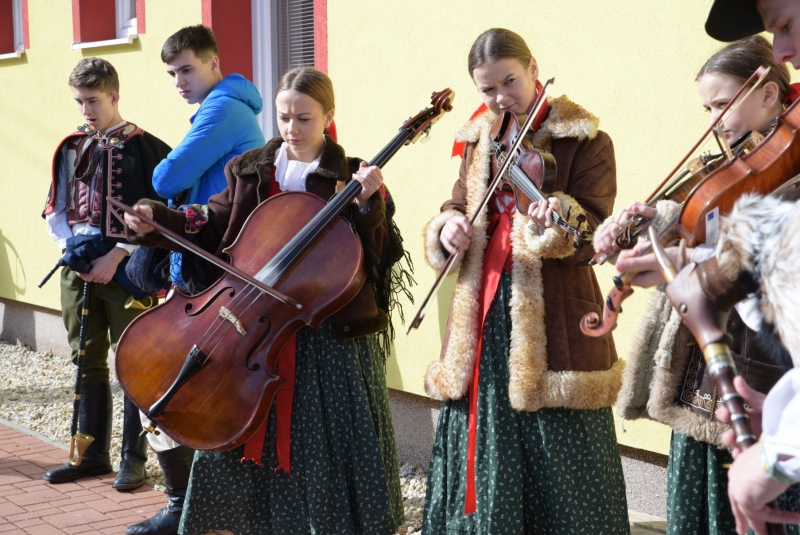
(255, 366)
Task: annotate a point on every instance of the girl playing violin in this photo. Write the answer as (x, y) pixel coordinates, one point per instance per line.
(697, 472)
(525, 440)
(342, 473)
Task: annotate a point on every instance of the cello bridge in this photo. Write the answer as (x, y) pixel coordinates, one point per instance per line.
(229, 316)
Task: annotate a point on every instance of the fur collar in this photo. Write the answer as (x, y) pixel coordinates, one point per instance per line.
(565, 119)
(330, 165)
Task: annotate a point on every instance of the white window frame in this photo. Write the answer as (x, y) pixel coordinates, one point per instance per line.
(126, 18)
(265, 62)
(19, 37)
(125, 24)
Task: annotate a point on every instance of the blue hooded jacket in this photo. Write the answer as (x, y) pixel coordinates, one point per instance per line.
(224, 126)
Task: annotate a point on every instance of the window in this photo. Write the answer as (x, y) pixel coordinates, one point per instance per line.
(13, 28)
(283, 38)
(102, 23)
(126, 18)
(295, 34)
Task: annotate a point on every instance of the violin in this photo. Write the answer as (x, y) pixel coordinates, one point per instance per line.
(208, 378)
(531, 173)
(677, 187)
(681, 186)
(538, 166)
(770, 166)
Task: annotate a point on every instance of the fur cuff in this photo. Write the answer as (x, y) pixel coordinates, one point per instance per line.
(435, 254)
(760, 238)
(550, 242)
(570, 390)
(667, 210)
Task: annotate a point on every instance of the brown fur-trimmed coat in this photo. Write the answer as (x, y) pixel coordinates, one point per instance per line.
(551, 363)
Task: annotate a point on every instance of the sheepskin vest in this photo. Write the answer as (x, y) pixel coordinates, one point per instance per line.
(551, 363)
(665, 380)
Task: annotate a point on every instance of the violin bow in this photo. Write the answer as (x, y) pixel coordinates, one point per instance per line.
(498, 177)
(186, 244)
(761, 74)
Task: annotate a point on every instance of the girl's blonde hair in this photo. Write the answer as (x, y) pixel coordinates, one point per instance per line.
(311, 82)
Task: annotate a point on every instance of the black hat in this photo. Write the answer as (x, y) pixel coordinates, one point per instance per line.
(731, 20)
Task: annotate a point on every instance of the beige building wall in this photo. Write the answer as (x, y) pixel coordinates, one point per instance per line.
(633, 64)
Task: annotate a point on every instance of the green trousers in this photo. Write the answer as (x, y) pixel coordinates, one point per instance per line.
(107, 319)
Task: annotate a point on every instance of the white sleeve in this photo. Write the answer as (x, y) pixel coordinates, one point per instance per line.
(57, 225)
(129, 247)
(781, 424)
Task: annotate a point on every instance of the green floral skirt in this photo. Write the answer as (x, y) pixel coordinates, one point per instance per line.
(344, 476)
(697, 490)
(553, 471)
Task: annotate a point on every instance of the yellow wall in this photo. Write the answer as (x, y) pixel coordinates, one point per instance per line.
(631, 63)
(37, 111)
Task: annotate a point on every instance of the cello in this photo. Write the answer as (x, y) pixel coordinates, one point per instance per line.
(209, 379)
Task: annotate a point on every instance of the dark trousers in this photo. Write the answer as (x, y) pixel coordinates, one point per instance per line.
(107, 319)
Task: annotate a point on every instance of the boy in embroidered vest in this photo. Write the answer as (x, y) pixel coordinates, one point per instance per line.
(107, 156)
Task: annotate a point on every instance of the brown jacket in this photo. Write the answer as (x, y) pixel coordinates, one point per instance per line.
(551, 362)
(249, 176)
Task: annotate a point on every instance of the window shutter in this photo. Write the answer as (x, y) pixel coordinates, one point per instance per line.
(295, 27)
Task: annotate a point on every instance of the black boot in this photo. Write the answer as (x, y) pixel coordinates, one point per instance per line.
(176, 464)
(94, 419)
(131, 473)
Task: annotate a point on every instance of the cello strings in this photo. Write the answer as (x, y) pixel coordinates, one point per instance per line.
(290, 256)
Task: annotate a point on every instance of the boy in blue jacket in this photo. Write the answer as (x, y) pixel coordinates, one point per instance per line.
(224, 126)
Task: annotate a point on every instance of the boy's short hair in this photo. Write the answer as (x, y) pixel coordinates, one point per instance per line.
(96, 74)
(199, 39)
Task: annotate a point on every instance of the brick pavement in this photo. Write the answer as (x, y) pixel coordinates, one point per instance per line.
(29, 505)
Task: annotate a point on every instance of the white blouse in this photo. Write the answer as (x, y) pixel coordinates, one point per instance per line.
(291, 174)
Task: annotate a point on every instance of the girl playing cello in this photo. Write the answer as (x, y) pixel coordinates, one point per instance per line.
(343, 473)
(525, 440)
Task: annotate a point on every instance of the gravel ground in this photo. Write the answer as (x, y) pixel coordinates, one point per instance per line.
(36, 393)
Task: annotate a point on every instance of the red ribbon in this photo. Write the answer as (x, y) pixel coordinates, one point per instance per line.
(498, 252)
(254, 447)
(331, 131)
(793, 94)
(496, 258)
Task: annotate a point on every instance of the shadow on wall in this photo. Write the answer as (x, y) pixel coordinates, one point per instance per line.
(443, 300)
(16, 320)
